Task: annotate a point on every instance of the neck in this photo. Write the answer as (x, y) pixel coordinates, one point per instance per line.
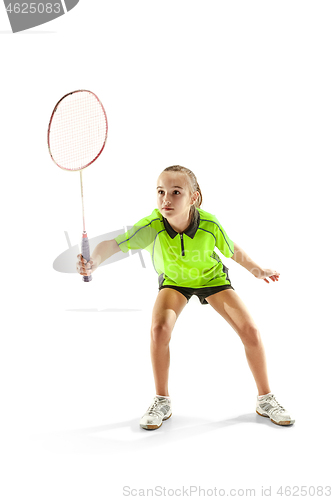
(180, 225)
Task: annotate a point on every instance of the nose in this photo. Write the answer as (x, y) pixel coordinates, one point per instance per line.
(165, 200)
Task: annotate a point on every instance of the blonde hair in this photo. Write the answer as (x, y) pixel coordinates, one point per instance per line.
(193, 184)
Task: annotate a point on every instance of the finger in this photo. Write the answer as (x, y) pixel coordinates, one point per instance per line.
(82, 267)
(85, 273)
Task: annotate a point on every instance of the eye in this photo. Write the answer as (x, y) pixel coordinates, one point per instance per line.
(160, 191)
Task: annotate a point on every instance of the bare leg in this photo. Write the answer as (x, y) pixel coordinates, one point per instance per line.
(169, 304)
(229, 305)
(257, 362)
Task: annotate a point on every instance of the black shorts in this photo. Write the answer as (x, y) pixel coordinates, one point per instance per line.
(201, 293)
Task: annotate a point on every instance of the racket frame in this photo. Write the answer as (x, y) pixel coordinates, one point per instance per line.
(49, 128)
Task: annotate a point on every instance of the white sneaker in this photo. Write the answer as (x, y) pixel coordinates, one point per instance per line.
(159, 410)
(269, 407)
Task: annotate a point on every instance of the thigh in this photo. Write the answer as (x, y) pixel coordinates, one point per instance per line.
(168, 306)
(230, 306)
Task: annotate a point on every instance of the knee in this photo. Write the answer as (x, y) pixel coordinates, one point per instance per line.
(250, 335)
(161, 333)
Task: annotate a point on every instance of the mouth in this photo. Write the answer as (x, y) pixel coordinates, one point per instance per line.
(167, 209)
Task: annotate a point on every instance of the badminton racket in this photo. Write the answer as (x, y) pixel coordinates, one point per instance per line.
(76, 137)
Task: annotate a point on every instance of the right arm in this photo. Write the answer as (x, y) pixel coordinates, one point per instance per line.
(102, 251)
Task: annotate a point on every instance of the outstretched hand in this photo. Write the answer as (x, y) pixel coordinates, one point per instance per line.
(267, 273)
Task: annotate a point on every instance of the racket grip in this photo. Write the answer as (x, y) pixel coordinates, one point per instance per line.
(85, 252)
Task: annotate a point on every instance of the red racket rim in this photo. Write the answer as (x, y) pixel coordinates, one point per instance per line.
(50, 124)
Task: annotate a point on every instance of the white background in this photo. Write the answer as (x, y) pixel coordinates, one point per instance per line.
(240, 93)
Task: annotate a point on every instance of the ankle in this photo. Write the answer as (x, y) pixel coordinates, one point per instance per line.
(261, 394)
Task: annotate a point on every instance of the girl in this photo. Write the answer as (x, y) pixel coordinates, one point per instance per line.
(181, 238)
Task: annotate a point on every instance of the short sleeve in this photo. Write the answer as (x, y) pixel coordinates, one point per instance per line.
(223, 242)
(141, 236)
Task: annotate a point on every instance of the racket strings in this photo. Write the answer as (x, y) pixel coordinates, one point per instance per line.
(78, 131)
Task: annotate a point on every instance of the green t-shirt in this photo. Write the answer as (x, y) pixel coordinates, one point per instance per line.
(183, 259)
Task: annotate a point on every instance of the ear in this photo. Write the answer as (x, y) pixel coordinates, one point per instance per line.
(195, 196)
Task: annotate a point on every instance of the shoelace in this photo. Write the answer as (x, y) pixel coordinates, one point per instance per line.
(277, 407)
(152, 410)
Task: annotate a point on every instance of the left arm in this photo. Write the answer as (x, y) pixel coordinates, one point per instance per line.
(244, 260)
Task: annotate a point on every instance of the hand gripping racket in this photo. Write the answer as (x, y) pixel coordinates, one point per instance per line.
(76, 137)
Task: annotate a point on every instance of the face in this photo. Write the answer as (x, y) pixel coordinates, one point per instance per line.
(173, 195)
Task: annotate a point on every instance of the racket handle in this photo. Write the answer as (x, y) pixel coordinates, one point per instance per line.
(85, 252)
